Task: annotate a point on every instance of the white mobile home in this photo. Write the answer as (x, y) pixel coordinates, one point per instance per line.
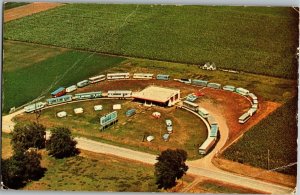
(142, 76)
(96, 79)
(246, 116)
(207, 145)
(119, 93)
(242, 91)
(71, 88)
(35, 106)
(115, 76)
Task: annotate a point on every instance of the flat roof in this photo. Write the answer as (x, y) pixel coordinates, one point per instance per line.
(156, 94)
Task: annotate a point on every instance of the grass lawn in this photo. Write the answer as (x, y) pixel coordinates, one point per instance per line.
(26, 82)
(10, 5)
(277, 133)
(18, 55)
(129, 131)
(253, 39)
(94, 172)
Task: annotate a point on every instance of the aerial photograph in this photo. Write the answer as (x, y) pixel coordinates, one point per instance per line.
(149, 98)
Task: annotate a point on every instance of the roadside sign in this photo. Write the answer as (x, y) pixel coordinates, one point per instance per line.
(109, 118)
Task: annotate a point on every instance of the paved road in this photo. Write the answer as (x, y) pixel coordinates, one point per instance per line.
(202, 167)
(99, 147)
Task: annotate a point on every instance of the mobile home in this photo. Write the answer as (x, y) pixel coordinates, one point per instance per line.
(202, 112)
(207, 145)
(246, 116)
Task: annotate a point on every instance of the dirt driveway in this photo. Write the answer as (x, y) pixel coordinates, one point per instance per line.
(28, 9)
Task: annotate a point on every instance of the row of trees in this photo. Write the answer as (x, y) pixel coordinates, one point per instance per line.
(25, 163)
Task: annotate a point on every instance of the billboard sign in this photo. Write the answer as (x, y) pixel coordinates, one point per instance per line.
(109, 118)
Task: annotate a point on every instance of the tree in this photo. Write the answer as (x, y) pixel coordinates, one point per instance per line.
(61, 144)
(27, 136)
(170, 167)
(21, 168)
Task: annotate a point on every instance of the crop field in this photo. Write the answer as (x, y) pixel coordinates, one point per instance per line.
(94, 172)
(277, 133)
(260, 40)
(129, 131)
(25, 82)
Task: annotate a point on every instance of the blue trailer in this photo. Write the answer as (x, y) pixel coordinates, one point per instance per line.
(162, 77)
(130, 112)
(214, 85)
(61, 99)
(199, 82)
(88, 95)
(214, 130)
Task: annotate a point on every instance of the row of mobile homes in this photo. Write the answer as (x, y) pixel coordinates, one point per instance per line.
(34, 107)
(119, 94)
(202, 112)
(58, 100)
(115, 76)
(214, 85)
(207, 145)
(97, 79)
(162, 77)
(199, 82)
(242, 91)
(229, 88)
(71, 88)
(59, 92)
(83, 83)
(88, 95)
(142, 76)
(190, 106)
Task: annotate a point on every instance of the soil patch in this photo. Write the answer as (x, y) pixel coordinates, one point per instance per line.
(28, 9)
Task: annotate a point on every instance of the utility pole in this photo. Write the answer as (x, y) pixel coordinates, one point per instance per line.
(268, 159)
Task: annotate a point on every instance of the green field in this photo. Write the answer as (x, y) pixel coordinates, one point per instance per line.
(25, 82)
(95, 173)
(277, 133)
(10, 5)
(129, 131)
(253, 39)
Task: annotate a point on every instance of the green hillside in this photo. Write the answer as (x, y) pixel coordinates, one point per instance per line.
(254, 39)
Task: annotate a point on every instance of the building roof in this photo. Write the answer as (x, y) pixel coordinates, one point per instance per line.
(58, 90)
(156, 94)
